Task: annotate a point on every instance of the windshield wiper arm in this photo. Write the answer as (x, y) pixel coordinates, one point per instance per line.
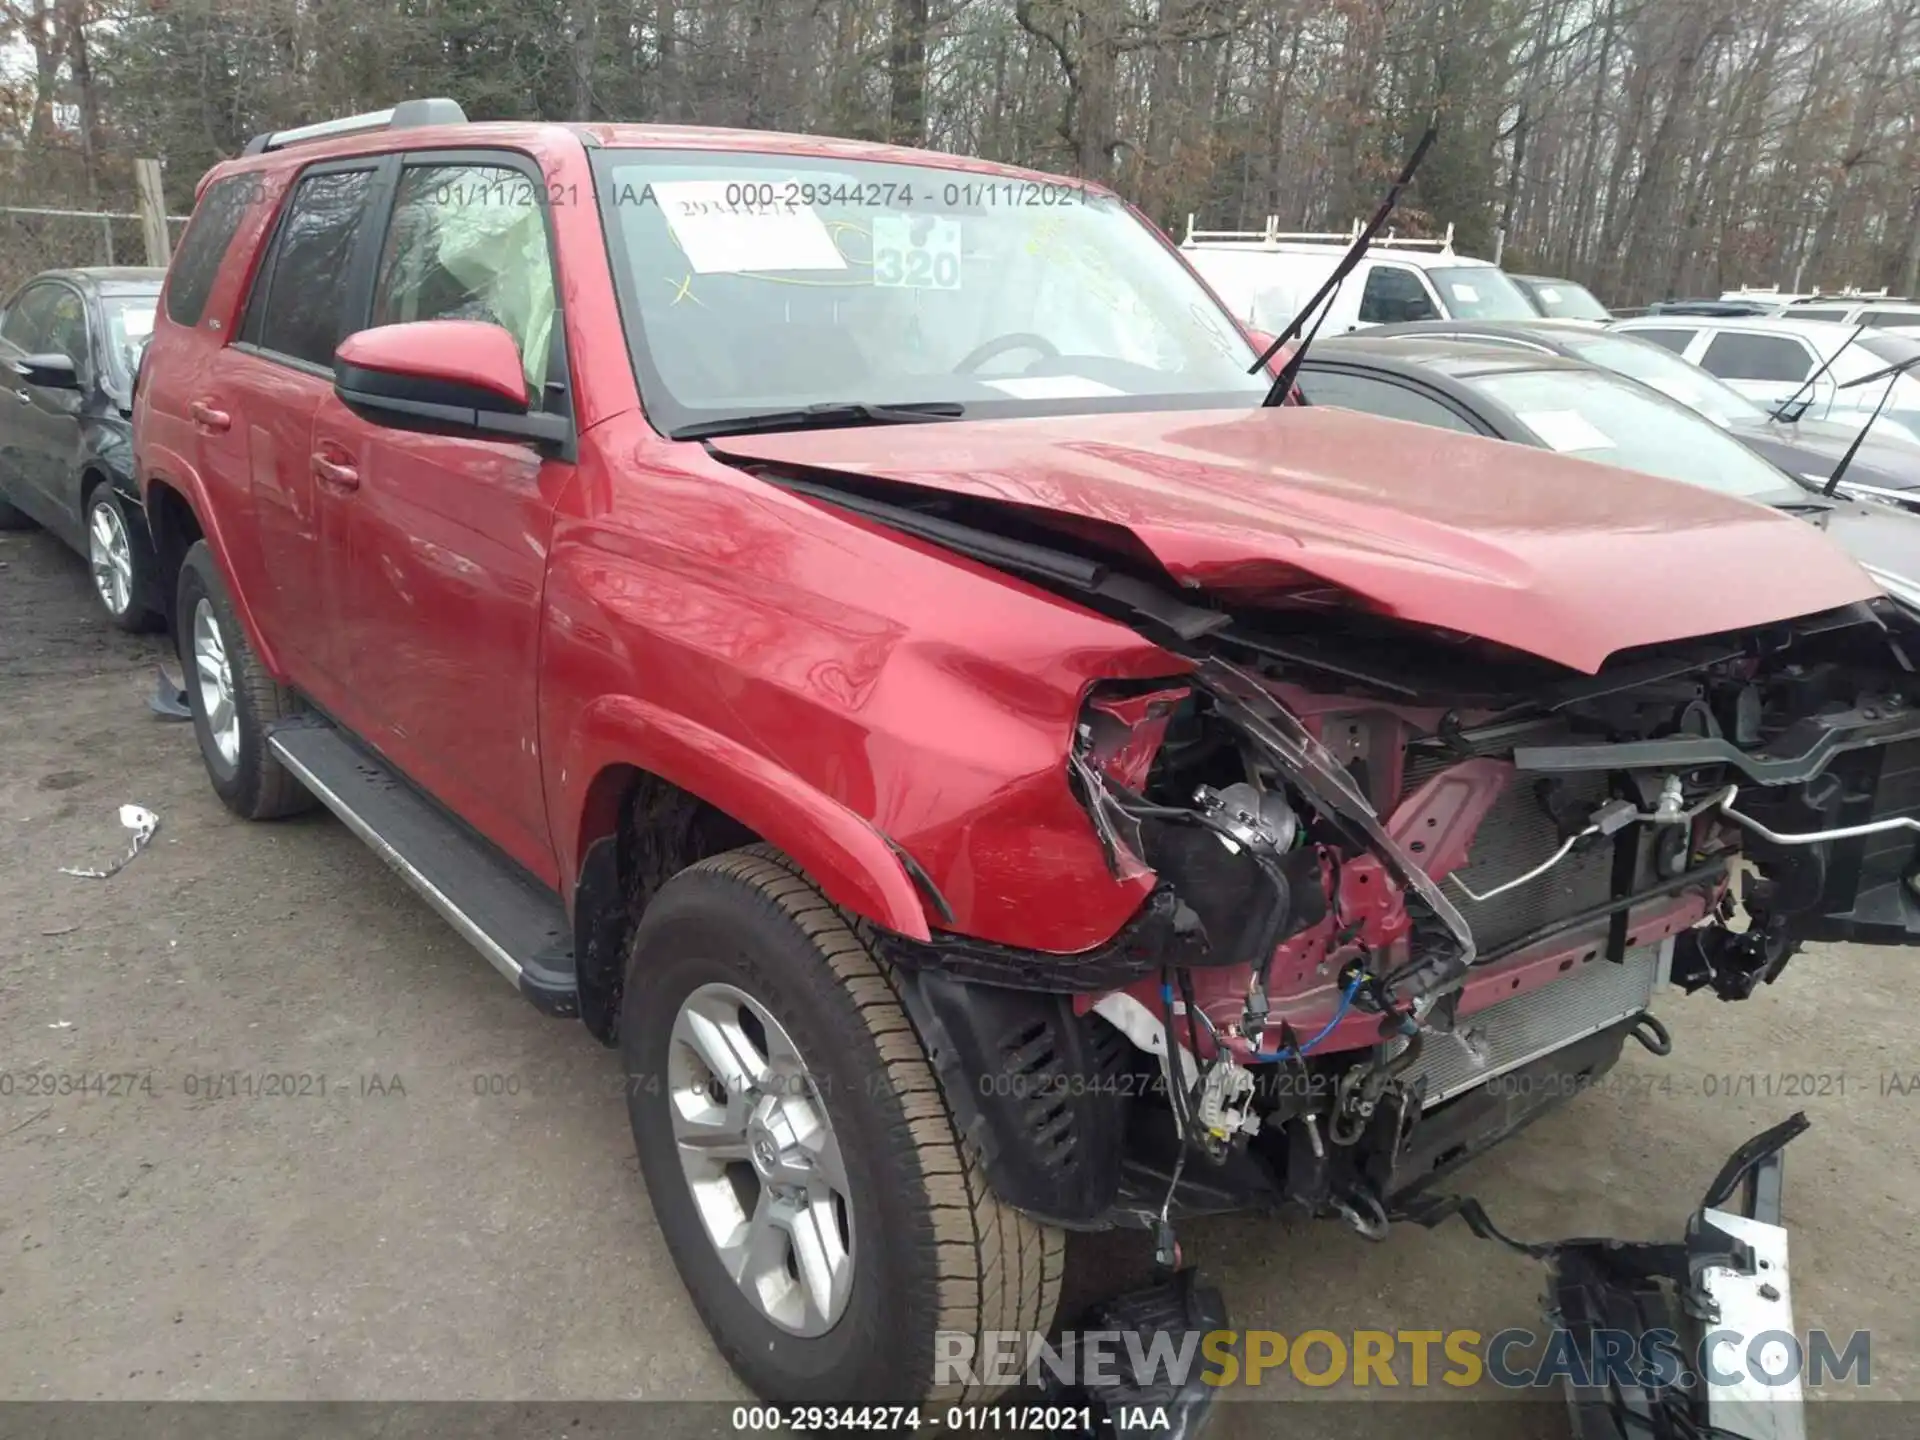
(1780, 413)
(1283, 382)
(831, 415)
(1891, 374)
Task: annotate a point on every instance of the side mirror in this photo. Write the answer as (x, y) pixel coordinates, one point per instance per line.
(447, 377)
(51, 372)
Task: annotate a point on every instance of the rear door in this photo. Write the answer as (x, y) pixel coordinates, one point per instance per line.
(440, 613)
(256, 410)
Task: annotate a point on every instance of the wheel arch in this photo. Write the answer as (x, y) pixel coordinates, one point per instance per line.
(649, 793)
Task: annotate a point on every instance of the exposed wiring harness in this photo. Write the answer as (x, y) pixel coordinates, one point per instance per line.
(1288, 1052)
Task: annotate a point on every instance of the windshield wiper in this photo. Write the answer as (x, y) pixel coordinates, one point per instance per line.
(1891, 374)
(1814, 379)
(1283, 382)
(832, 415)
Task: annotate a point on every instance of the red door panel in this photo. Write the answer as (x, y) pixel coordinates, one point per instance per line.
(439, 613)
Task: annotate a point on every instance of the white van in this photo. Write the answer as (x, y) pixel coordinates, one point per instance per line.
(1265, 276)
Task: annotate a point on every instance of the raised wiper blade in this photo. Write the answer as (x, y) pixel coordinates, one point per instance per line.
(1289, 372)
(1780, 411)
(821, 417)
(1899, 367)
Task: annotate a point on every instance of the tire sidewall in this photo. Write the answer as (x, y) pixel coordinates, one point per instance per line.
(237, 787)
(880, 1349)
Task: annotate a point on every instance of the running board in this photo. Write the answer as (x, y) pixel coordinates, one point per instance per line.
(503, 912)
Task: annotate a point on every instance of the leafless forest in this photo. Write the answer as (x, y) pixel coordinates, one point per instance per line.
(1648, 147)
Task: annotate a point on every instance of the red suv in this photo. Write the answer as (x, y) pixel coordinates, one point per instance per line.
(843, 622)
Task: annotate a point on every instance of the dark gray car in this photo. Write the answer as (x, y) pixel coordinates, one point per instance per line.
(70, 346)
(1809, 449)
(1534, 398)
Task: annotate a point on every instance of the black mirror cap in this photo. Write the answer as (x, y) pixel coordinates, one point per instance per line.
(49, 371)
(403, 403)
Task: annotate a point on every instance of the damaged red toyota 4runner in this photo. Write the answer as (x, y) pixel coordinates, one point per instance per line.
(848, 624)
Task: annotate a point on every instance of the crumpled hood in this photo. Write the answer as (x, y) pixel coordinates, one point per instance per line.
(1542, 552)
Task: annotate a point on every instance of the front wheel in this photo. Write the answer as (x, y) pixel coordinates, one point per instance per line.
(802, 1164)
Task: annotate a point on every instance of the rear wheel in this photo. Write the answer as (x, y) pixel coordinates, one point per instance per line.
(122, 560)
(232, 697)
(799, 1155)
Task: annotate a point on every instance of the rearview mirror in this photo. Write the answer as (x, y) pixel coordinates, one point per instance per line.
(50, 371)
(448, 377)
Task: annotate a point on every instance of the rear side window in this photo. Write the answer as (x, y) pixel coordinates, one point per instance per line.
(302, 303)
(1757, 357)
(1799, 314)
(1893, 319)
(196, 264)
(1674, 340)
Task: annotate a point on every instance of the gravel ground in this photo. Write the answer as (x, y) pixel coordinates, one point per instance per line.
(455, 1214)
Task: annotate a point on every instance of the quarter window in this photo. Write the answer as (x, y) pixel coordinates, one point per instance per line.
(1733, 356)
(197, 262)
(304, 298)
(469, 242)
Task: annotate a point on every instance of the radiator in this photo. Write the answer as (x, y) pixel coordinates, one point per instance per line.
(1505, 1036)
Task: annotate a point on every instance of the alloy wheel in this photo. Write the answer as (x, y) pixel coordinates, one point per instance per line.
(215, 678)
(111, 554)
(760, 1158)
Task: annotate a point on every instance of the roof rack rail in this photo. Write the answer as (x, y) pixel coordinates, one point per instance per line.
(407, 115)
(1273, 235)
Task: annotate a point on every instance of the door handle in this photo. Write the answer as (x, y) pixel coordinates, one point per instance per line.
(332, 472)
(208, 418)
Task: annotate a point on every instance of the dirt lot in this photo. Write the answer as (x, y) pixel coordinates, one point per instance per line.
(458, 1215)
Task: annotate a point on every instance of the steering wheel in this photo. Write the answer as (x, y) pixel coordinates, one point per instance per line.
(1000, 345)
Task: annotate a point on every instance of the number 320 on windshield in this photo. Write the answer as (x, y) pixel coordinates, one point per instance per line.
(920, 251)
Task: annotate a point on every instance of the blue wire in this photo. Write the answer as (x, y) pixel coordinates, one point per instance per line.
(1339, 1014)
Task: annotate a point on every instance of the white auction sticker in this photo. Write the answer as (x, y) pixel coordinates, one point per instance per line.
(922, 251)
(1465, 293)
(1566, 430)
(723, 236)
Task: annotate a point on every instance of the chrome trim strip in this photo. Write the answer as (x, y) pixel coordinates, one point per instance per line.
(431, 893)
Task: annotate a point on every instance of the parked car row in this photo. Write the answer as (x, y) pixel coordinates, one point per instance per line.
(894, 658)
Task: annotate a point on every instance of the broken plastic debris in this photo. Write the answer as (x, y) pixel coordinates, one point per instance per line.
(143, 823)
(169, 698)
(60, 1025)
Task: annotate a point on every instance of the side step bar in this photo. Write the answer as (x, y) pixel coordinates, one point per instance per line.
(506, 914)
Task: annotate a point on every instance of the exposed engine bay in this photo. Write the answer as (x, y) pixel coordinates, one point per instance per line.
(1408, 887)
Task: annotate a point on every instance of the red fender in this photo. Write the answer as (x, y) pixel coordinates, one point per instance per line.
(846, 856)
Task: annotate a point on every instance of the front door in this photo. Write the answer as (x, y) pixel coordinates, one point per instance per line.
(40, 424)
(448, 536)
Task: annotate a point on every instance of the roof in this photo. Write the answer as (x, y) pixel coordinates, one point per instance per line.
(479, 134)
(1826, 336)
(1331, 251)
(1435, 355)
(107, 278)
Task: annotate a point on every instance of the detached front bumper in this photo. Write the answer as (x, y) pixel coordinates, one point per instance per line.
(1671, 1335)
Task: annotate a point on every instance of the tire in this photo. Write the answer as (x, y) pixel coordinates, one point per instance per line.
(110, 530)
(932, 1248)
(250, 782)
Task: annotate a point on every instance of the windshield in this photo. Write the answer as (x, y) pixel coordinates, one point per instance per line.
(1480, 292)
(1563, 300)
(1598, 416)
(129, 326)
(754, 283)
(1666, 372)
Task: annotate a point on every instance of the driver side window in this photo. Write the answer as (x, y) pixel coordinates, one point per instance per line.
(25, 326)
(469, 242)
(1394, 295)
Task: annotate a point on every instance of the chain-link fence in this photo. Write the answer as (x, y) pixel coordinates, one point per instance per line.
(33, 239)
